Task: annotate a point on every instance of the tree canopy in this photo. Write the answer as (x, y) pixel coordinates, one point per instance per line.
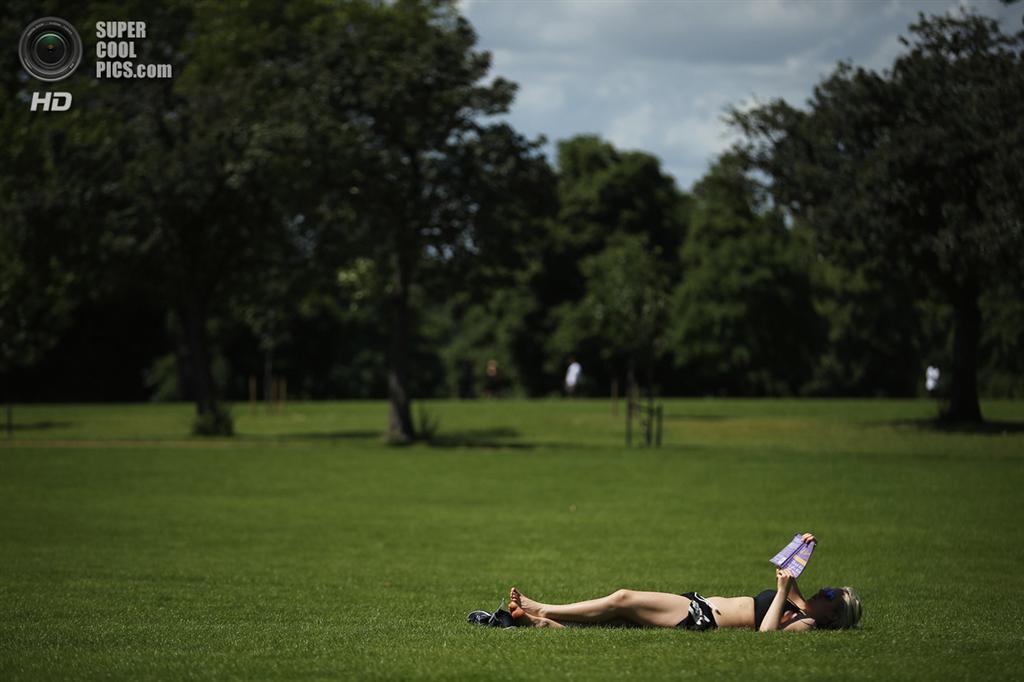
(919, 166)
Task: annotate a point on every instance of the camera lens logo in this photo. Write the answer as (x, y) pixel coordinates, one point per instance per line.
(50, 49)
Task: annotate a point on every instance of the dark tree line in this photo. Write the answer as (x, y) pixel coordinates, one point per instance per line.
(336, 200)
(919, 167)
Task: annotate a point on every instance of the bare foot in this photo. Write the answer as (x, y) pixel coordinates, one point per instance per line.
(516, 598)
(529, 620)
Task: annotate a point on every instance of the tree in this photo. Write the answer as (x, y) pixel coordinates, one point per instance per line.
(604, 191)
(208, 191)
(742, 318)
(874, 340)
(615, 203)
(623, 312)
(920, 166)
(35, 304)
(173, 185)
(1003, 342)
(436, 178)
(52, 172)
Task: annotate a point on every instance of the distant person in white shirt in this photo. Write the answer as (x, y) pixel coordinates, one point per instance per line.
(931, 379)
(572, 376)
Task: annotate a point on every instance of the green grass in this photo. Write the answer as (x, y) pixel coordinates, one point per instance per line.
(306, 548)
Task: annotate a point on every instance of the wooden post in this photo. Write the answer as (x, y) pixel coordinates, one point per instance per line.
(615, 397)
(253, 392)
(283, 395)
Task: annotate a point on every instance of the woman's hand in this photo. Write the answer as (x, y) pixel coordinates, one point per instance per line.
(809, 537)
(785, 579)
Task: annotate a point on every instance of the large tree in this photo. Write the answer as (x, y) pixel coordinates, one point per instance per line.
(54, 170)
(181, 186)
(742, 321)
(920, 166)
(618, 211)
(438, 178)
(212, 182)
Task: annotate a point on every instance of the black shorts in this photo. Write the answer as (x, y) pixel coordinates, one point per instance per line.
(701, 616)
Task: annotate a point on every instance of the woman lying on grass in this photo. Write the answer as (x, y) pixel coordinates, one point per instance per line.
(783, 608)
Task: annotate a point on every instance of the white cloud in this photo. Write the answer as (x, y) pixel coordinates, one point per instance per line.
(634, 129)
(657, 74)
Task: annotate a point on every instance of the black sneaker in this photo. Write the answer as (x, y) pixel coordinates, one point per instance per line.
(499, 619)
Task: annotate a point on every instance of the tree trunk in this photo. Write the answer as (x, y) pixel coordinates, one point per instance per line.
(193, 324)
(400, 417)
(630, 380)
(182, 363)
(963, 402)
(400, 426)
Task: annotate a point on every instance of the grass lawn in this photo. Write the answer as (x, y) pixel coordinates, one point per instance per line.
(305, 548)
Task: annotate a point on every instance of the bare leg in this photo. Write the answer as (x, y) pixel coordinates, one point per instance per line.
(657, 609)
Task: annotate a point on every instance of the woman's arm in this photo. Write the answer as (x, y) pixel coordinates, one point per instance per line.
(800, 625)
(774, 615)
(795, 595)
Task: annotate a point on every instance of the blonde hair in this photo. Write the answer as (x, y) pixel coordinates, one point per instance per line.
(850, 609)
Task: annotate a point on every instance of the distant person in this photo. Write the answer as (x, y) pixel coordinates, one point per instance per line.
(492, 379)
(572, 377)
(931, 379)
(782, 608)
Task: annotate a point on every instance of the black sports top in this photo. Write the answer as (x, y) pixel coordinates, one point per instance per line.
(763, 601)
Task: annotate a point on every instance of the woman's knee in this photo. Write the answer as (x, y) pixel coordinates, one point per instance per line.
(621, 598)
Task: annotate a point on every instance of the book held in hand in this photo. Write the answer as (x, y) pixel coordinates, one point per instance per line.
(794, 556)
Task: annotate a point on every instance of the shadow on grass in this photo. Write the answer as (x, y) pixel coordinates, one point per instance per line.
(698, 417)
(36, 426)
(331, 435)
(617, 623)
(496, 437)
(988, 428)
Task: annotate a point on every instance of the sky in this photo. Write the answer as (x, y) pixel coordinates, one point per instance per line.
(657, 75)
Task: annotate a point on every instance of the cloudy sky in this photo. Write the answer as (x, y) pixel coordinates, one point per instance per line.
(656, 75)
